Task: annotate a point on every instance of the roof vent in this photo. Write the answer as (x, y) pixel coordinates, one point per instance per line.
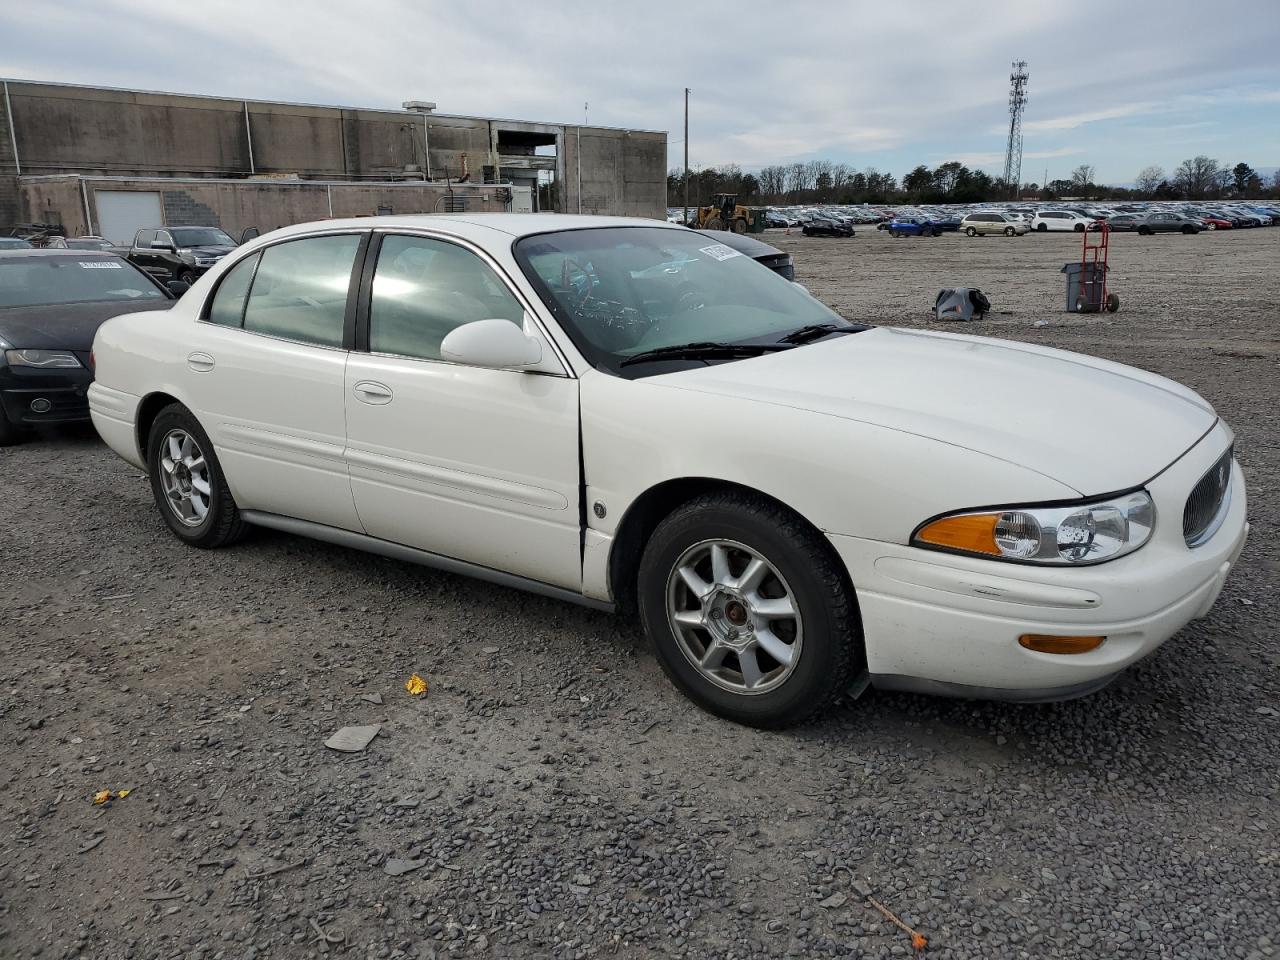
(419, 106)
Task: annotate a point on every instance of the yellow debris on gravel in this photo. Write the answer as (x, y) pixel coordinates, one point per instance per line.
(416, 685)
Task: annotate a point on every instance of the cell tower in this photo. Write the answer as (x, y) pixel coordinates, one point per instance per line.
(1017, 101)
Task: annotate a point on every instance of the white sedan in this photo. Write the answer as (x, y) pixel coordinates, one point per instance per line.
(635, 417)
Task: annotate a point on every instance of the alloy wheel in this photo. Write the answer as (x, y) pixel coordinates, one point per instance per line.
(735, 618)
(184, 477)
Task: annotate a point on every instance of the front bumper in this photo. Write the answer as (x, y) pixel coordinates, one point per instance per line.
(65, 391)
(939, 623)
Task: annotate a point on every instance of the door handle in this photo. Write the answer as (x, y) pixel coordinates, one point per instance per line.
(200, 362)
(370, 391)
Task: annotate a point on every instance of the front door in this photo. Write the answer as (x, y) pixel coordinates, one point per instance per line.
(476, 464)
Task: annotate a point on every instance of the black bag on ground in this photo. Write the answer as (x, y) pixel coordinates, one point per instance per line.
(961, 303)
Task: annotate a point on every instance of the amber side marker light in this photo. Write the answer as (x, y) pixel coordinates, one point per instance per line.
(1043, 643)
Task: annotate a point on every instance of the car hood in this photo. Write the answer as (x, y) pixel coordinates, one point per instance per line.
(65, 326)
(209, 251)
(1090, 424)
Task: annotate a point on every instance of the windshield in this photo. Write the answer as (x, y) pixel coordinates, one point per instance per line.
(200, 237)
(622, 291)
(34, 281)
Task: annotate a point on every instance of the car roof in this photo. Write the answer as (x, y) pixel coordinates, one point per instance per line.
(476, 225)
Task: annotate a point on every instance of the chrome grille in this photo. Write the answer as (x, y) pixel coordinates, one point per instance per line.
(1207, 503)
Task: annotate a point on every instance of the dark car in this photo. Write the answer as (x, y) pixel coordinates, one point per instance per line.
(14, 243)
(1168, 223)
(773, 258)
(51, 304)
(913, 227)
(179, 253)
(1125, 221)
(827, 227)
(949, 224)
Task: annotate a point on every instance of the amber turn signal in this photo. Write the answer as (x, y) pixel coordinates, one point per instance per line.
(1043, 643)
(972, 532)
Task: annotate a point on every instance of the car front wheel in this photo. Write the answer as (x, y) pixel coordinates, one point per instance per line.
(749, 610)
(187, 482)
(1042, 228)
(970, 232)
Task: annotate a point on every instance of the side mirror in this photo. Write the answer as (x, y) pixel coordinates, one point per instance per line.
(499, 344)
(178, 287)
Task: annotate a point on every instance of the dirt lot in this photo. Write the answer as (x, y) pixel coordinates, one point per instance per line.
(558, 798)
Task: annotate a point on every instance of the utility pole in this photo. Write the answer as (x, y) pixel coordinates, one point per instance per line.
(686, 156)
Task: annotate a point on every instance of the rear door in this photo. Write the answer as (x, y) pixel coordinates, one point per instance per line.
(476, 464)
(268, 371)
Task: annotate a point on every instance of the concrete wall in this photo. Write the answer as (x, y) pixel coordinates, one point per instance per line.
(623, 172)
(102, 132)
(237, 204)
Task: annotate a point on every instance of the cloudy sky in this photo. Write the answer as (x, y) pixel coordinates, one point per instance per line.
(1119, 84)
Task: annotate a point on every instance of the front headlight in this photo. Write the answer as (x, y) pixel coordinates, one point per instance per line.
(1063, 535)
(44, 359)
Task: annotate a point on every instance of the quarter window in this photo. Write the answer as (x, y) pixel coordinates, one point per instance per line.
(227, 308)
(423, 288)
(300, 290)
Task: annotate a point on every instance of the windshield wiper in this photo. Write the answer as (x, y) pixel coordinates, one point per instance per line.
(705, 350)
(815, 331)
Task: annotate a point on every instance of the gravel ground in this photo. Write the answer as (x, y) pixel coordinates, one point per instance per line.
(553, 795)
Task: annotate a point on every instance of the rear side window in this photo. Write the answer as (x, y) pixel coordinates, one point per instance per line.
(144, 238)
(300, 290)
(424, 288)
(227, 308)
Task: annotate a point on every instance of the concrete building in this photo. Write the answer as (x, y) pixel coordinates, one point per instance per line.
(103, 160)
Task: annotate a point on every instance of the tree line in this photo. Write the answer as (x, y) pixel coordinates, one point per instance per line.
(826, 181)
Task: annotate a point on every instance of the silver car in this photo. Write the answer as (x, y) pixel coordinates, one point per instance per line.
(981, 224)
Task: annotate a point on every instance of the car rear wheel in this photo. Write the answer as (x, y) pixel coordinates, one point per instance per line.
(187, 482)
(1009, 231)
(749, 610)
(970, 232)
(1144, 231)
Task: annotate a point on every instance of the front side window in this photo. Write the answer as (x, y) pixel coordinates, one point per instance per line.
(423, 288)
(623, 292)
(300, 290)
(227, 308)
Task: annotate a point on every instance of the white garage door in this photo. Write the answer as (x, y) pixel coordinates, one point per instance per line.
(122, 213)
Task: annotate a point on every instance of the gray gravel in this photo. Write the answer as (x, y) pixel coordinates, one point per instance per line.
(552, 796)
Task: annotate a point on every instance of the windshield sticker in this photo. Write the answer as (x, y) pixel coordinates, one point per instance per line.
(718, 251)
(100, 264)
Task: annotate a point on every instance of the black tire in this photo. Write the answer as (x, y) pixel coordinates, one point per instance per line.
(1189, 229)
(1042, 228)
(1009, 232)
(1078, 228)
(1212, 226)
(739, 226)
(832, 651)
(222, 523)
(1113, 303)
(10, 432)
(894, 234)
(1144, 232)
(970, 232)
